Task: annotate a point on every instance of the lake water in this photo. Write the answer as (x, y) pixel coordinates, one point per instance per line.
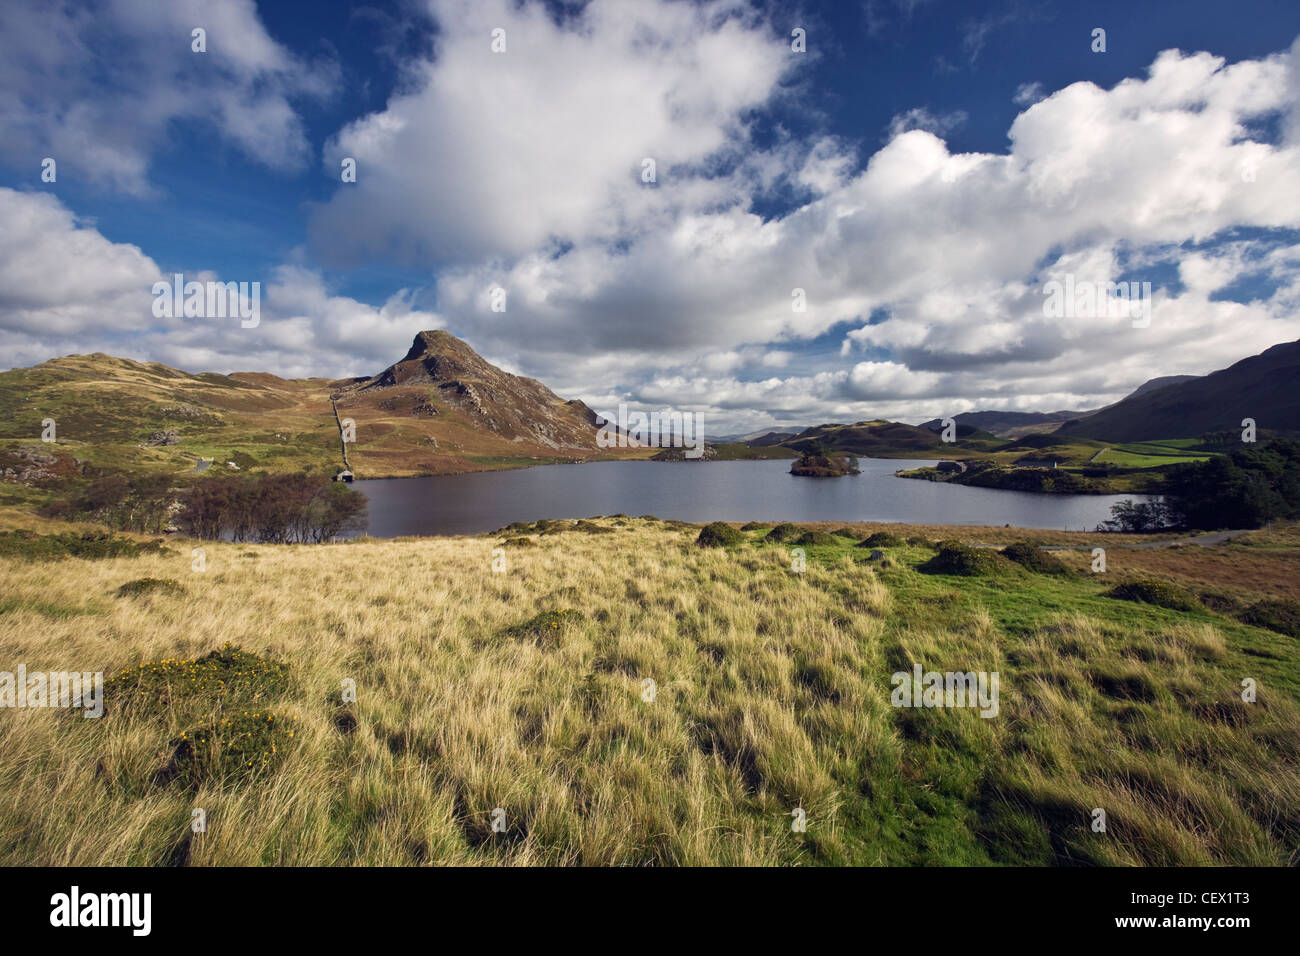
(708, 491)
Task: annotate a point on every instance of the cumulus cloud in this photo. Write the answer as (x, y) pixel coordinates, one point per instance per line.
(921, 270)
(503, 153)
(96, 88)
(65, 288)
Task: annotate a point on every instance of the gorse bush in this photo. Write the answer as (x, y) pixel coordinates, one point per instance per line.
(957, 558)
(228, 675)
(144, 586)
(546, 628)
(1033, 558)
(719, 534)
(1152, 591)
(882, 539)
(1279, 615)
(815, 537)
(228, 749)
(87, 544)
(783, 533)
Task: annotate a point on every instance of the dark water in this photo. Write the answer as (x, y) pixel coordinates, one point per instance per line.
(708, 491)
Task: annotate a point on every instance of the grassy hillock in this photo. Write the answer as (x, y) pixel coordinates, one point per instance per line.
(526, 690)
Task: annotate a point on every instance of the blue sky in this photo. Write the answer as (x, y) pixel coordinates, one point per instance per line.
(776, 170)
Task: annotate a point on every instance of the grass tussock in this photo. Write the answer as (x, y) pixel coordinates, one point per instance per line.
(142, 587)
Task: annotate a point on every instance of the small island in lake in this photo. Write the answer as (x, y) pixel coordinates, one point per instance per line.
(817, 462)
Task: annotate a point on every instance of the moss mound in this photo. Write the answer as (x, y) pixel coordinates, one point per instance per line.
(1281, 615)
(142, 586)
(816, 537)
(882, 539)
(957, 558)
(1151, 591)
(1032, 558)
(719, 534)
(784, 532)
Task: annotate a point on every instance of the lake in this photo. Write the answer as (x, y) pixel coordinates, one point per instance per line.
(708, 491)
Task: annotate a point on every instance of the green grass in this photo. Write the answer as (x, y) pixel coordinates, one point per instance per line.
(1127, 459)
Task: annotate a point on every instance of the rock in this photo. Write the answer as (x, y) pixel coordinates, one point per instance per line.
(166, 437)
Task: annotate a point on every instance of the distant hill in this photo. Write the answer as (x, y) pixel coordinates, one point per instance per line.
(1262, 387)
(440, 409)
(868, 439)
(1008, 424)
(1151, 385)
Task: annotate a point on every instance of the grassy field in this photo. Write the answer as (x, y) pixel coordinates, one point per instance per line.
(1149, 454)
(522, 690)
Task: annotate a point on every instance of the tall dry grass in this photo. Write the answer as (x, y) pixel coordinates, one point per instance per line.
(772, 693)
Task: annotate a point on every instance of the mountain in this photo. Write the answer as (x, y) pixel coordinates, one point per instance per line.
(1150, 385)
(1262, 387)
(868, 439)
(442, 378)
(1019, 424)
(441, 409)
(1007, 424)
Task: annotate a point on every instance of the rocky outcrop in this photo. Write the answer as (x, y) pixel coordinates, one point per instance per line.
(441, 375)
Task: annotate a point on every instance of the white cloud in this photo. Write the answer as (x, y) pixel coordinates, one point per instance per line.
(522, 170)
(500, 154)
(97, 88)
(65, 289)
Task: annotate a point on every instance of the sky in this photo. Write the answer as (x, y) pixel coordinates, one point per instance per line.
(914, 173)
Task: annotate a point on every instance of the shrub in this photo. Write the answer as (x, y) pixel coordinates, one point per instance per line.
(1151, 591)
(226, 675)
(225, 750)
(519, 543)
(783, 532)
(1033, 558)
(546, 628)
(49, 547)
(754, 526)
(719, 534)
(957, 558)
(143, 586)
(882, 539)
(815, 538)
(849, 533)
(1281, 615)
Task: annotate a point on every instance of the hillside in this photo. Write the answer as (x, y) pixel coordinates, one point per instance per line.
(1261, 387)
(872, 439)
(1008, 424)
(441, 409)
